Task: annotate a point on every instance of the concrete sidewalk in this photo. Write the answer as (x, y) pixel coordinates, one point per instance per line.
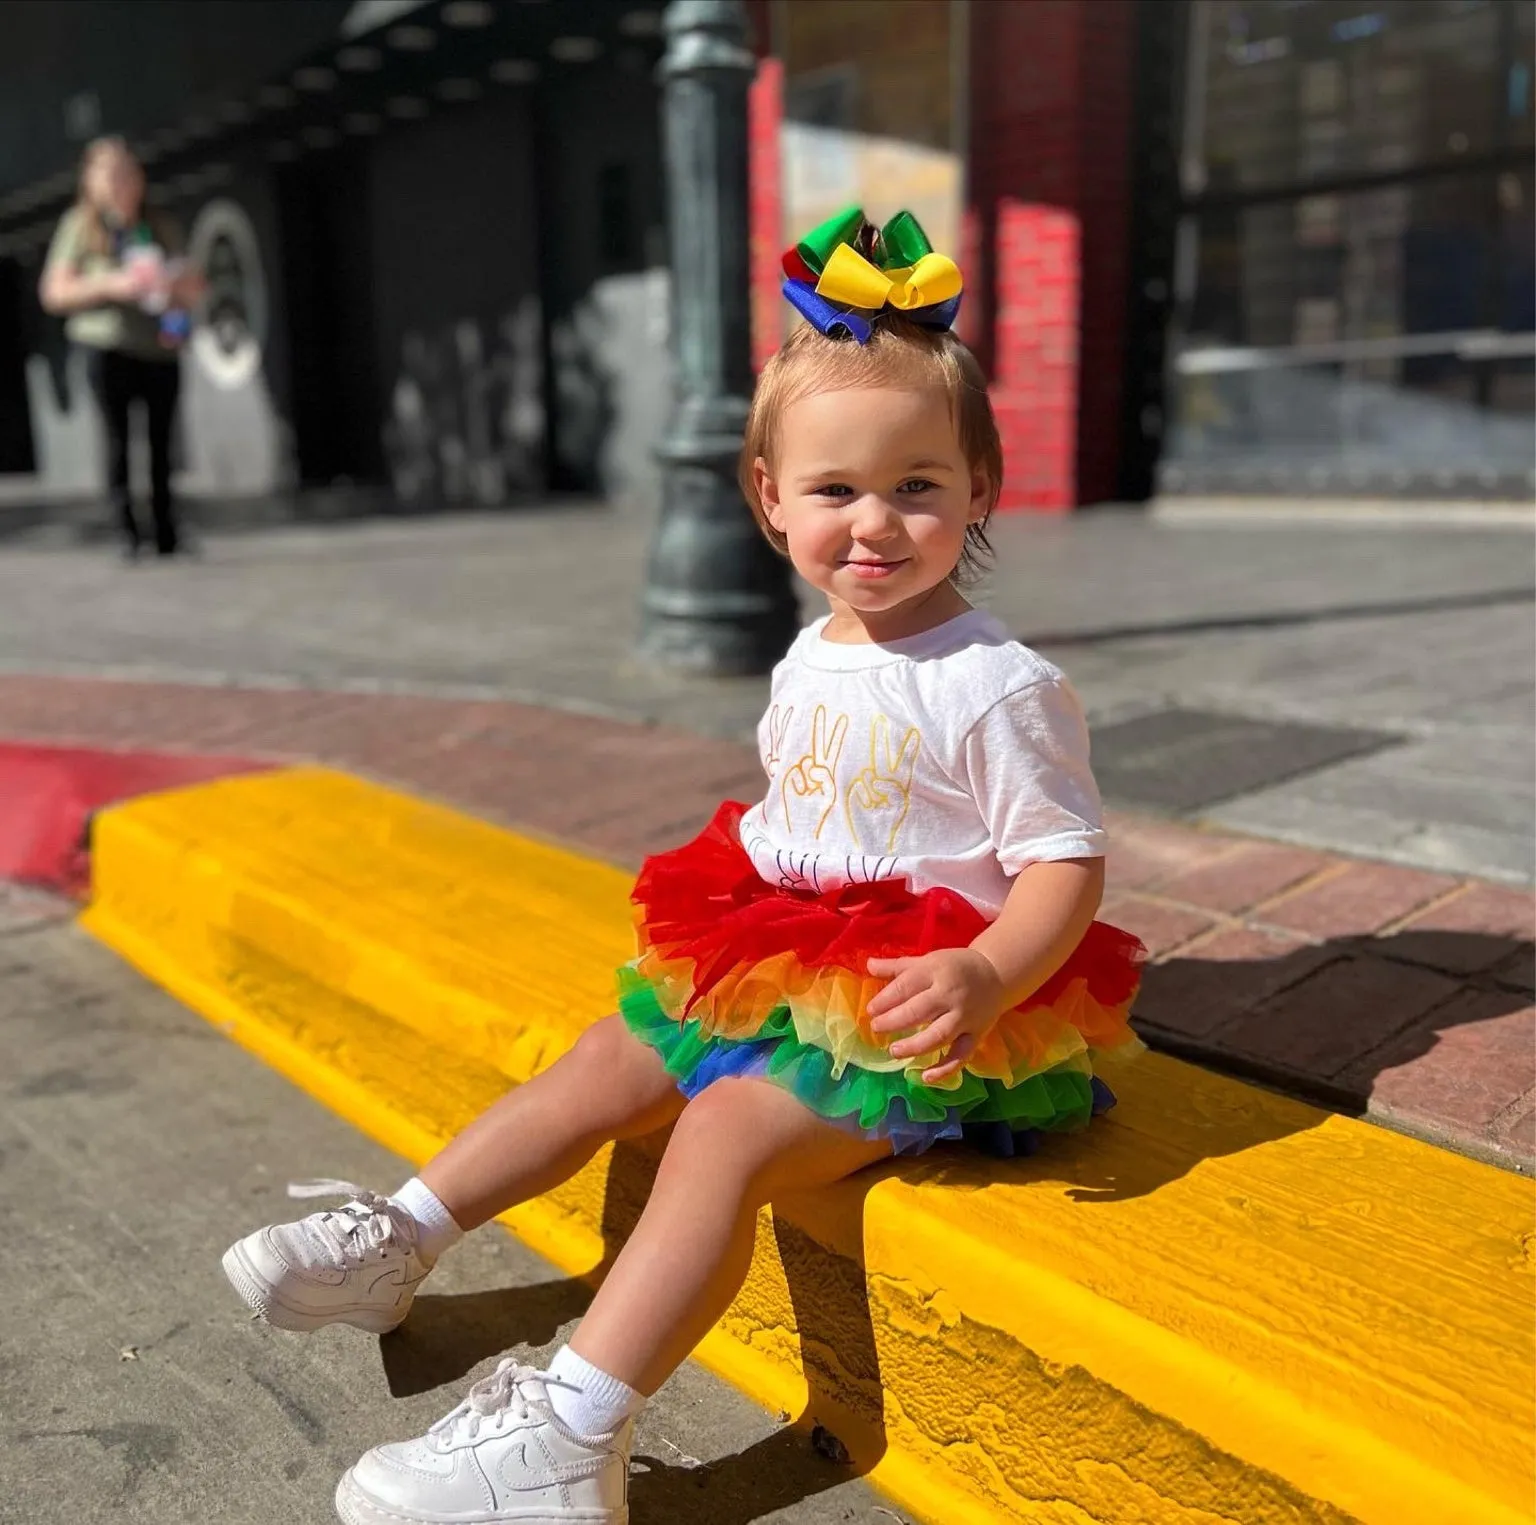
(1364, 688)
(1390, 991)
(136, 1387)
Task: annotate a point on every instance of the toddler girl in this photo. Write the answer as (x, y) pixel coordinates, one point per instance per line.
(895, 945)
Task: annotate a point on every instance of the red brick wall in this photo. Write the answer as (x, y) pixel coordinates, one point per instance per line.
(1049, 217)
(765, 112)
(1035, 353)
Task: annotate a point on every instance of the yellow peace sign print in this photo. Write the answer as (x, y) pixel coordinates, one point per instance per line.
(809, 790)
(877, 800)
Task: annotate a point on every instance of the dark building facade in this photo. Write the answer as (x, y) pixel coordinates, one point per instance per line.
(1241, 247)
(433, 234)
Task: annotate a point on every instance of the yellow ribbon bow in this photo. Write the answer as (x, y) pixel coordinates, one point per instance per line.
(850, 278)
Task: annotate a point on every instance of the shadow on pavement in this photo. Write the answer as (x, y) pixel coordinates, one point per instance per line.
(86, 522)
(1326, 1022)
(447, 1336)
(1281, 618)
(781, 1471)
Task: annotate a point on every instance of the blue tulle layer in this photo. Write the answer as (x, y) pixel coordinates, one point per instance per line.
(904, 1134)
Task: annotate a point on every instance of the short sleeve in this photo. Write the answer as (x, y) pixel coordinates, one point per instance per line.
(65, 248)
(1026, 764)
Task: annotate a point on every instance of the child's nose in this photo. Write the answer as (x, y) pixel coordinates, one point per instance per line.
(874, 518)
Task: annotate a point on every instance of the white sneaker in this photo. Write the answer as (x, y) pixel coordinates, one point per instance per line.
(500, 1458)
(358, 1264)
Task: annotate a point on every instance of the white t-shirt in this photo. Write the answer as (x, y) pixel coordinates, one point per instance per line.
(955, 758)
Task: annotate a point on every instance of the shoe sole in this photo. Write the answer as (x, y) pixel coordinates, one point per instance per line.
(261, 1298)
(354, 1507)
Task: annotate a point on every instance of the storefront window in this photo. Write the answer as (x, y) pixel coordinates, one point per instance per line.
(1356, 281)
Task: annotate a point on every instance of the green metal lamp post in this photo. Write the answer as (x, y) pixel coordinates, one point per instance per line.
(718, 598)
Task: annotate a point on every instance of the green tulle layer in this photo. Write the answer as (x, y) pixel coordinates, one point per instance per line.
(1055, 1099)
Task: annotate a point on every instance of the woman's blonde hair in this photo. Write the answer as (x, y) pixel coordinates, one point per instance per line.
(94, 236)
(899, 353)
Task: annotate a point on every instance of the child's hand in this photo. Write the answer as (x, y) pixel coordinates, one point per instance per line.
(952, 995)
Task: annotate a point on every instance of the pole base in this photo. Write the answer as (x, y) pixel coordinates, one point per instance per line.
(726, 646)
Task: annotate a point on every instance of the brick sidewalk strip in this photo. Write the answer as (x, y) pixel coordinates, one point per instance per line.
(1398, 993)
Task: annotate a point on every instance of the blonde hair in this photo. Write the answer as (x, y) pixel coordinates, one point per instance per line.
(900, 353)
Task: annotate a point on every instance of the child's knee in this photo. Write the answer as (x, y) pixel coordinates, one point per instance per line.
(620, 1078)
(714, 1133)
(607, 1048)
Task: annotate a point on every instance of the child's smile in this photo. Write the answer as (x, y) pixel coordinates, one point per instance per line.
(872, 569)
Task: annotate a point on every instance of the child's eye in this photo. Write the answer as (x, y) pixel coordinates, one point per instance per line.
(917, 485)
(833, 490)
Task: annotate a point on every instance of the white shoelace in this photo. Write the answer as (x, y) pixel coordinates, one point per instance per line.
(360, 1230)
(491, 1399)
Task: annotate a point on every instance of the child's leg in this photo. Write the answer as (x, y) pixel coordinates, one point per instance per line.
(735, 1147)
(609, 1085)
(361, 1264)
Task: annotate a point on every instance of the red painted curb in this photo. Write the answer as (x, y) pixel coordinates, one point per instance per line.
(48, 795)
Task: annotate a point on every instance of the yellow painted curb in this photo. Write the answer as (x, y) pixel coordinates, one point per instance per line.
(1219, 1305)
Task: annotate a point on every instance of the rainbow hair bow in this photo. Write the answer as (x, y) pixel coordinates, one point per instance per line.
(844, 272)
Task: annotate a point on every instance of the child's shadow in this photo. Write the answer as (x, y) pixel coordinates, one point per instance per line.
(449, 1334)
(840, 1435)
(778, 1472)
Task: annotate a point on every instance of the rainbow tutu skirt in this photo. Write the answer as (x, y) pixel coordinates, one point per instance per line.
(736, 977)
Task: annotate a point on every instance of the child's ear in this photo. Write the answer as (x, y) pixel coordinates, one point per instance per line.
(982, 497)
(768, 494)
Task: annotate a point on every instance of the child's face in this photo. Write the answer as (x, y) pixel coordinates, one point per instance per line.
(873, 494)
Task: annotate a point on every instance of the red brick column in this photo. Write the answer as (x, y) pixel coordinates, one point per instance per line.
(1048, 221)
(765, 113)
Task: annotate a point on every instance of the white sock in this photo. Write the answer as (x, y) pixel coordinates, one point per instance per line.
(435, 1229)
(596, 1403)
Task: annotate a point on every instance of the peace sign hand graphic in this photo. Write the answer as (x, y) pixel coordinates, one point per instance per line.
(778, 724)
(810, 785)
(879, 796)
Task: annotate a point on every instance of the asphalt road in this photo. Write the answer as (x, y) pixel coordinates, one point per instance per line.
(135, 1143)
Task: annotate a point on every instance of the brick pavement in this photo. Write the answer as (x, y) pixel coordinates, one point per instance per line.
(1399, 993)
(1423, 635)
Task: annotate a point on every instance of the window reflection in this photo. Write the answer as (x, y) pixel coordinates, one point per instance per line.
(1298, 92)
(1357, 283)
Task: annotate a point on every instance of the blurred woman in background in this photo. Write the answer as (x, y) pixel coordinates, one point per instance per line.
(115, 271)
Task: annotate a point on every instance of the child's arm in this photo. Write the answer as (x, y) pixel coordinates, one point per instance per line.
(952, 996)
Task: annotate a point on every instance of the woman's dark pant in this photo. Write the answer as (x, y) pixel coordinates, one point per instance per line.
(119, 380)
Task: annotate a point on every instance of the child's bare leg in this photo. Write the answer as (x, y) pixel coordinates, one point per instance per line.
(609, 1085)
(362, 1263)
(735, 1147)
